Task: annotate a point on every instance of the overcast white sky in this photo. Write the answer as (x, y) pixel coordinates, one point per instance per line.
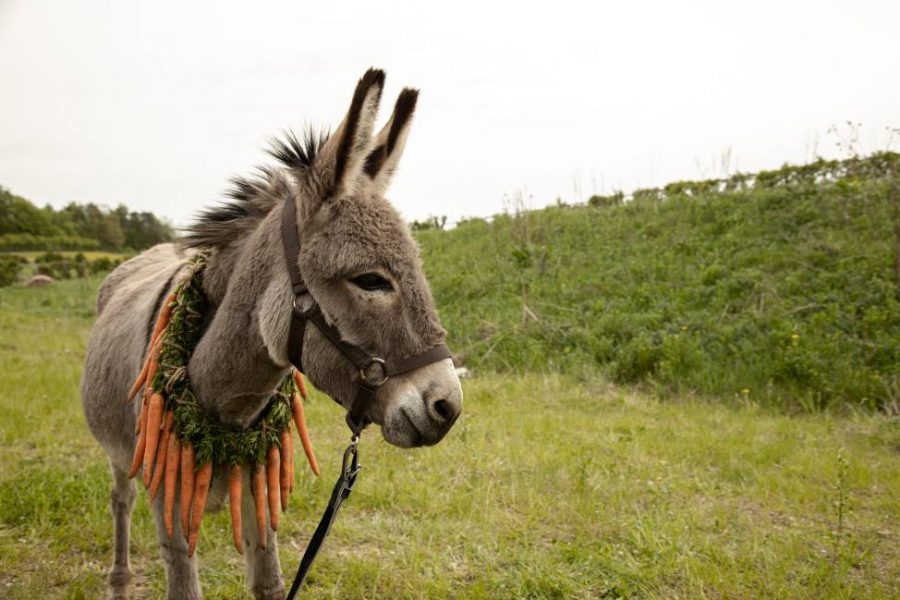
(155, 104)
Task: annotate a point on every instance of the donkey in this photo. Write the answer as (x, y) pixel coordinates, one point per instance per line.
(360, 265)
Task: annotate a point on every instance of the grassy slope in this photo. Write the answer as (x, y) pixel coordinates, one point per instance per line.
(547, 487)
(785, 295)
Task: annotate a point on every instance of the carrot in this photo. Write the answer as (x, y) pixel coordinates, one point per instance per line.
(303, 432)
(145, 377)
(301, 384)
(187, 485)
(155, 342)
(285, 467)
(273, 468)
(173, 461)
(153, 368)
(235, 481)
(164, 314)
(139, 381)
(141, 441)
(291, 465)
(201, 492)
(162, 454)
(154, 417)
(139, 423)
(259, 503)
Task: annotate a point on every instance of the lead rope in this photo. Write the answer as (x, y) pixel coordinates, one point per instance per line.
(343, 486)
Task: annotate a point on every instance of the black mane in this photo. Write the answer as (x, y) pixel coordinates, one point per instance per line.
(251, 198)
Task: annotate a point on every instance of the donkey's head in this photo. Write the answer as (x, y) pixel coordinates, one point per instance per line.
(361, 265)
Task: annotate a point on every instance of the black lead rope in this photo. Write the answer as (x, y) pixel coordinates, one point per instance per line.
(343, 486)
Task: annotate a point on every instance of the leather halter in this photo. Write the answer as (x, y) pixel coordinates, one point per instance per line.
(373, 371)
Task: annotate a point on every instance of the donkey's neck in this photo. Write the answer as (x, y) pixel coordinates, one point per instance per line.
(231, 370)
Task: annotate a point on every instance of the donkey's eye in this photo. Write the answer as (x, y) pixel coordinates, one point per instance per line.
(372, 282)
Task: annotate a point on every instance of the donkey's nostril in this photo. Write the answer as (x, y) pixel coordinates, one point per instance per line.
(444, 410)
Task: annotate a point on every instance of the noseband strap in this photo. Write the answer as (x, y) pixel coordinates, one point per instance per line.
(373, 371)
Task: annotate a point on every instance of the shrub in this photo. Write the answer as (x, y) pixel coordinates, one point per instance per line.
(10, 265)
(697, 285)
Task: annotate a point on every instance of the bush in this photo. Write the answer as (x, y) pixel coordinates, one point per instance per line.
(696, 286)
(10, 265)
(27, 241)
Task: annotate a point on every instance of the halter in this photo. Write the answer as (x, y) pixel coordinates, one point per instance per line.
(373, 373)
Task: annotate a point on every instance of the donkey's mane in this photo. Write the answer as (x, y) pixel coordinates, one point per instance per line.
(251, 198)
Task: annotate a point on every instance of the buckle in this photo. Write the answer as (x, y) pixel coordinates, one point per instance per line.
(375, 382)
(298, 312)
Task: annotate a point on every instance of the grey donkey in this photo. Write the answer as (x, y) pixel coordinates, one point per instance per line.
(359, 262)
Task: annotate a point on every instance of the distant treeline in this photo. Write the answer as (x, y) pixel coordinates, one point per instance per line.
(24, 226)
(818, 172)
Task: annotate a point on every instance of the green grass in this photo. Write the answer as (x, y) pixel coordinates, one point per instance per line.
(548, 487)
(788, 292)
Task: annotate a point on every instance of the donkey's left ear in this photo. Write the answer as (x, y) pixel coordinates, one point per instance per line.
(384, 157)
(341, 159)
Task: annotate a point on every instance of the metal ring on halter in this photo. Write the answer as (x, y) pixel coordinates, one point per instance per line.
(296, 307)
(384, 374)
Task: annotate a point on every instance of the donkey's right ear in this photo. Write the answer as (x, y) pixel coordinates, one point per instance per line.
(341, 159)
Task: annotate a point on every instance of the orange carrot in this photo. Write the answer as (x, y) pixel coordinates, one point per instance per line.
(139, 423)
(285, 467)
(291, 465)
(301, 384)
(139, 381)
(235, 481)
(154, 418)
(152, 368)
(162, 454)
(259, 503)
(187, 486)
(141, 442)
(173, 462)
(164, 314)
(273, 469)
(201, 492)
(303, 432)
(145, 377)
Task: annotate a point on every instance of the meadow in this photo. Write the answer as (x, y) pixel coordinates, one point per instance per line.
(689, 393)
(551, 485)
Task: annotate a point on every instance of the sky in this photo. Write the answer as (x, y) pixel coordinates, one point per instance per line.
(155, 104)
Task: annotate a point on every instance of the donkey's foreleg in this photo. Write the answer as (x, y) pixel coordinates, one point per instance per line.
(181, 570)
(121, 505)
(263, 568)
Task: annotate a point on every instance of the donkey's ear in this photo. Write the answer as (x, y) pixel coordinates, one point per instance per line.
(384, 157)
(341, 159)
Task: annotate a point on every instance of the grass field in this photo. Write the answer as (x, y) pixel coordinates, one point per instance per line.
(547, 487)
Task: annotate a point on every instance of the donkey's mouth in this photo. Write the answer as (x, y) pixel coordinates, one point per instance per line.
(400, 429)
(418, 437)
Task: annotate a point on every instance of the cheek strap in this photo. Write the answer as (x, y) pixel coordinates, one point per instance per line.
(373, 371)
